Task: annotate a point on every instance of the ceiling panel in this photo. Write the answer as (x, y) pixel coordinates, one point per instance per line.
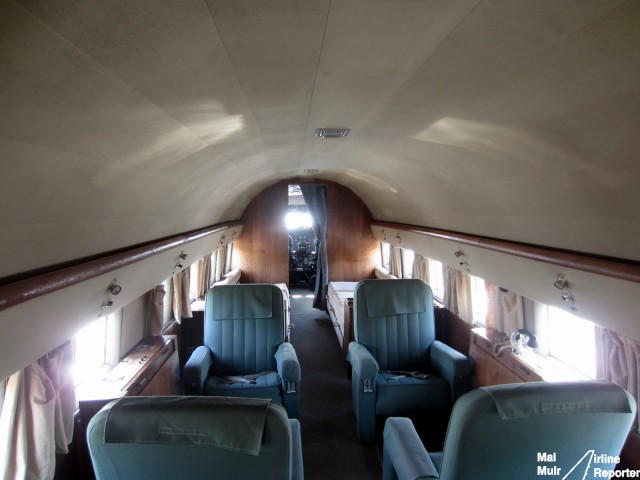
(141, 119)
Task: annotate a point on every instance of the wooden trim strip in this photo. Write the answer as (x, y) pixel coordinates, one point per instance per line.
(24, 290)
(615, 268)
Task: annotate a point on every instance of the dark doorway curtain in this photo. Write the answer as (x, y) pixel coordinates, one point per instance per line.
(315, 198)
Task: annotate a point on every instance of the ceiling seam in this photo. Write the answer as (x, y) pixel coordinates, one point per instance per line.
(313, 87)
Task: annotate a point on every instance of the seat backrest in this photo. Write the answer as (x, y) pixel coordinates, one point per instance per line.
(243, 327)
(537, 430)
(394, 320)
(192, 437)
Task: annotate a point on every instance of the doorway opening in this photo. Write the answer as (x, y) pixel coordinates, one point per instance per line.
(303, 244)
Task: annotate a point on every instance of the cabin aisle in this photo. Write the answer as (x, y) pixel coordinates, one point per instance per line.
(329, 443)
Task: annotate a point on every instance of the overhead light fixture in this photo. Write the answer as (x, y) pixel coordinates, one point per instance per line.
(108, 303)
(563, 284)
(311, 170)
(332, 132)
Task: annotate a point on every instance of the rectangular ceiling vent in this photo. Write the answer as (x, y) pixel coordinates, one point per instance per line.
(332, 132)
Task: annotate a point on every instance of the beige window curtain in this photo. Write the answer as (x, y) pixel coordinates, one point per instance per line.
(395, 261)
(457, 294)
(204, 276)
(620, 358)
(221, 261)
(505, 309)
(36, 421)
(420, 268)
(181, 300)
(154, 313)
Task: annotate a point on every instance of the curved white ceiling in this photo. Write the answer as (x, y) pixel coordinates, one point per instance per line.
(125, 121)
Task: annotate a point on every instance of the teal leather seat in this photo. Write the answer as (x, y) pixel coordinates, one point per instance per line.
(244, 352)
(526, 431)
(398, 367)
(196, 438)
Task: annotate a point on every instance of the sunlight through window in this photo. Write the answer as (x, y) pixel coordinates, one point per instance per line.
(90, 351)
(572, 341)
(296, 220)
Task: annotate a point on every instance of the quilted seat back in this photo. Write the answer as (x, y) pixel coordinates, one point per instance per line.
(394, 320)
(244, 325)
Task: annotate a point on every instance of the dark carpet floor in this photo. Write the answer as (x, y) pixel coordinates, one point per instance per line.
(329, 443)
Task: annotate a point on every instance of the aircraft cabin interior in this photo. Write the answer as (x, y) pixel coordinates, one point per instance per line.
(334, 238)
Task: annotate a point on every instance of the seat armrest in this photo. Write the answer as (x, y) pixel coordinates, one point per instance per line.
(287, 363)
(451, 365)
(196, 370)
(404, 456)
(290, 376)
(362, 362)
(297, 466)
(363, 391)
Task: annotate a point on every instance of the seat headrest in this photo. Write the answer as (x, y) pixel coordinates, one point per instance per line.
(548, 398)
(232, 302)
(229, 423)
(395, 297)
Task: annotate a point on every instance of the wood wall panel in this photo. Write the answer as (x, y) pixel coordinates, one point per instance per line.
(261, 251)
(459, 333)
(351, 247)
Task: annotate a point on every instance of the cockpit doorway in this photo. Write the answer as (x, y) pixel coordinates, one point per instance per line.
(303, 244)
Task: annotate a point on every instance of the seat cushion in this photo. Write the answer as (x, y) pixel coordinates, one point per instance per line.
(265, 386)
(397, 396)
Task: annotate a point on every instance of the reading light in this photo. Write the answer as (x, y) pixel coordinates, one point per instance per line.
(181, 256)
(114, 288)
(561, 283)
(567, 296)
(108, 303)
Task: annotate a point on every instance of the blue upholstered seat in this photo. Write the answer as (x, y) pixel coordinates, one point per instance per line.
(244, 352)
(398, 368)
(196, 438)
(526, 431)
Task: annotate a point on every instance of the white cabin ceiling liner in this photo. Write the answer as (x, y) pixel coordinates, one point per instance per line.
(127, 121)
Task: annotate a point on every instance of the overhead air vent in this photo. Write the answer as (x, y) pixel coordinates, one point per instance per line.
(332, 132)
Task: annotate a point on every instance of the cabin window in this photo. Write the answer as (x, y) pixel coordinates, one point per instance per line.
(397, 260)
(407, 263)
(228, 260)
(436, 279)
(90, 350)
(479, 300)
(194, 276)
(385, 253)
(97, 346)
(569, 338)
